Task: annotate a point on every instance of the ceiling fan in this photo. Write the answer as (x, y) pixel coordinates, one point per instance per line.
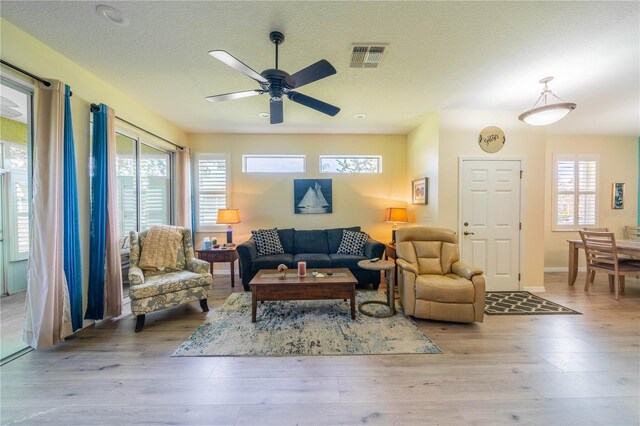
(278, 83)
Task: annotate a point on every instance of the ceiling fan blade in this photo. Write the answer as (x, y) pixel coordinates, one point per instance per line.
(238, 65)
(310, 102)
(234, 95)
(313, 72)
(276, 111)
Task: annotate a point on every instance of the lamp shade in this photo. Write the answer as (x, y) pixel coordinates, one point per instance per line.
(396, 214)
(228, 216)
(546, 113)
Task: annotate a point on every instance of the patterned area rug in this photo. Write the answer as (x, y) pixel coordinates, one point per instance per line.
(522, 303)
(314, 327)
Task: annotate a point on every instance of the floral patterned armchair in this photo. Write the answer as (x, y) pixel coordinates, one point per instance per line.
(151, 290)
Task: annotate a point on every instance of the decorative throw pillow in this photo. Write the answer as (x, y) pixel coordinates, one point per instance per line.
(267, 241)
(353, 243)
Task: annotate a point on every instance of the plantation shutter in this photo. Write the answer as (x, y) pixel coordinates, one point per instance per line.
(586, 192)
(212, 189)
(127, 204)
(153, 205)
(20, 199)
(575, 197)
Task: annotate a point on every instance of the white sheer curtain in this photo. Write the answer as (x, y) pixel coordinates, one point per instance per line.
(183, 188)
(47, 317)
(113, 277)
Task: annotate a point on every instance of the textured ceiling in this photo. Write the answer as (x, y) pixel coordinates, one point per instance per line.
(442, 55)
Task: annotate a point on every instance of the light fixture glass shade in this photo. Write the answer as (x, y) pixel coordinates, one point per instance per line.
(396, 215)
(228, 216)
(546, 113)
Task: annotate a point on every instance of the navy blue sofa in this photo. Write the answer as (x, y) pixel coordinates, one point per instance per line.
(316, 247)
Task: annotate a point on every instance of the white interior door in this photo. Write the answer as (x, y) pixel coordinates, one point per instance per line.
(490, 220)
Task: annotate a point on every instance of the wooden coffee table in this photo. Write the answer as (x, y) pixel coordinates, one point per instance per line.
(267, 285)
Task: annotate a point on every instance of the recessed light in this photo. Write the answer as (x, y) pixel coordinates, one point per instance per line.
(112, 14)
(360, 116)
(264, 115)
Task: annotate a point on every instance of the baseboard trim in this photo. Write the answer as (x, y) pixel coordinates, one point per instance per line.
(563, 269)
(535, 289)
(15, 355)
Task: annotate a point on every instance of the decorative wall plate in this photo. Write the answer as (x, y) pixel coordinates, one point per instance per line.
(491, 139)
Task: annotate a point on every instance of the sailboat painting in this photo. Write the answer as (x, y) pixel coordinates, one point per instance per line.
(312, 196)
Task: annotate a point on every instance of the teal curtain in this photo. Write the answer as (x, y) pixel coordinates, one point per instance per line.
(72, 258)
(98, 225)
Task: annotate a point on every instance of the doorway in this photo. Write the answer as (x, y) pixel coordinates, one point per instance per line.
(489, 222)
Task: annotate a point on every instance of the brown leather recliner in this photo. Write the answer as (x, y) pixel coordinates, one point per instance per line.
(433, 283)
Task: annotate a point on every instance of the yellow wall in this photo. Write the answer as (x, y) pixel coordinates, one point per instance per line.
(422, 161)
(21, 49)
(266, 200)
(618, 163)
(13, 131)
(457, 132)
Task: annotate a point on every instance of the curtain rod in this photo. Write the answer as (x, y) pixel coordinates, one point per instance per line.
(27, 73)
(95, 107)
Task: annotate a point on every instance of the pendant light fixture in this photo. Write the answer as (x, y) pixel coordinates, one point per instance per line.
(546, 113)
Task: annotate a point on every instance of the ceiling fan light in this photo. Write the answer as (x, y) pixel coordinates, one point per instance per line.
(547, 114)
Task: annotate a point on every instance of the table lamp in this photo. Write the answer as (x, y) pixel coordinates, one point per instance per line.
(228, 216)
(395, 215)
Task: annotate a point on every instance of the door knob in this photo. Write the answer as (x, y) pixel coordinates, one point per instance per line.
(468, 233)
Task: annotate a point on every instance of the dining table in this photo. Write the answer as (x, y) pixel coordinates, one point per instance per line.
(626, 247)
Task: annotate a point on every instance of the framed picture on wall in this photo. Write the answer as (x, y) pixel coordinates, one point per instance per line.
(420, 191)
(312, 196)
(617, 195)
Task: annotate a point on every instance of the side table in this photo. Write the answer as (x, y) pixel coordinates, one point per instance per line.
(389, 267)
(389, 251)
(213, 255)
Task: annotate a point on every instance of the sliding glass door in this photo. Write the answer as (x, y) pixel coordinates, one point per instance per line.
(155, 187)
(144, 176)
(15, 143)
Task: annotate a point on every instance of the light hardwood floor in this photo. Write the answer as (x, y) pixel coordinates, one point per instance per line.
(11, 323)
(556, 369)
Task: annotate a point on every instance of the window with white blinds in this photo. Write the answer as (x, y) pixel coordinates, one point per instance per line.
(155, 187)
(575, 197)
(274, 163)
(15, 161)
(144, 179)
(212, 189)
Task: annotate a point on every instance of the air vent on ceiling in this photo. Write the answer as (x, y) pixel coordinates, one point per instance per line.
(367, 55)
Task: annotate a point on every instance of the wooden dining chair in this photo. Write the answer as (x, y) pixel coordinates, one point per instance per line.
(602, 255)
(632, 232)
(592, 275)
